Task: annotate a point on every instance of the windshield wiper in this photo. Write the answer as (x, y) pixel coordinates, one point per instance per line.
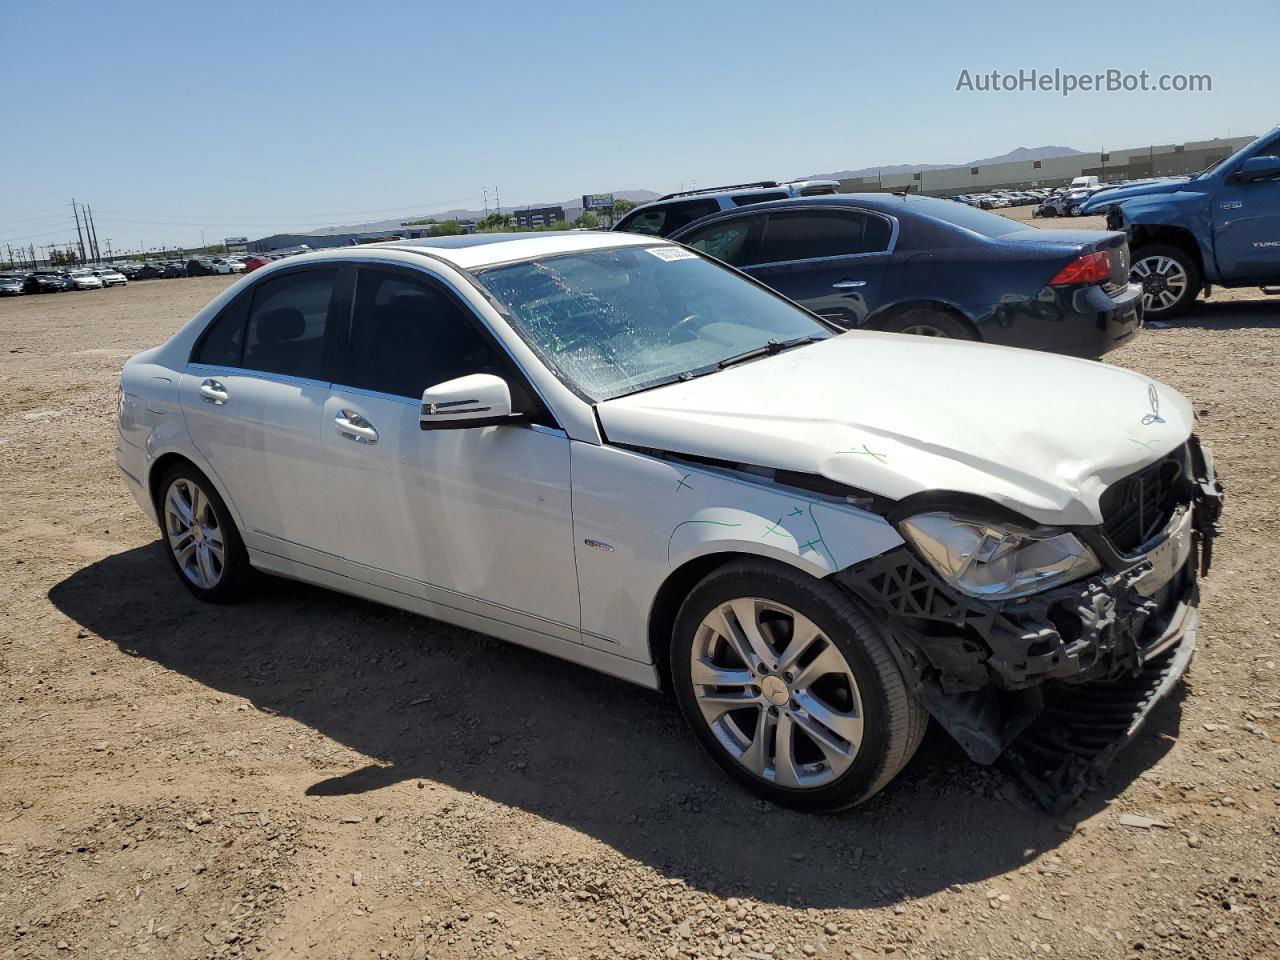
(768, 350)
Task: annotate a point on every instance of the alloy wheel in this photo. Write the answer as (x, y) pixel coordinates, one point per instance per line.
(1164, 282)
(923, 330)
(194, 534)
(776, 692)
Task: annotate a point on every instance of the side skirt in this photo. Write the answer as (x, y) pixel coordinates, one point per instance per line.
(642, 674)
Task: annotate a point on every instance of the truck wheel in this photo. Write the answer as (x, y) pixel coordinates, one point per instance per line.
(1170, 279)
(791, 688)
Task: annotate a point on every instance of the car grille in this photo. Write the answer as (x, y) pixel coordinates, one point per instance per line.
(1137, 507)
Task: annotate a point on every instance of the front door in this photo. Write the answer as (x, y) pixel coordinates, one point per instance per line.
(1246, 224)
(475, 518)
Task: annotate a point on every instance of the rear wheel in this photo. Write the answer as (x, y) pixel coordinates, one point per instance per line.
(791, 688)
(1170, 279)
(929, 323)
(201, 539)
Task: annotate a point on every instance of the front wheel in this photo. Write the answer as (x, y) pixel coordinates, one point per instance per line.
(1170, 280)
(791, 688)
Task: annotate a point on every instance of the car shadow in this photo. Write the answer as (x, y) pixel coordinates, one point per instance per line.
(424, 700)
(1261, 314)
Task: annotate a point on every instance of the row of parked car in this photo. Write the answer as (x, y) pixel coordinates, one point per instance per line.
(1002, 199)
(118, 275)
(57, 281)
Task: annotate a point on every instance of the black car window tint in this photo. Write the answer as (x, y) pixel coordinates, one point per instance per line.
(726, 240)
(285, 333)
(804, 235)
(407, 335)
(222, 341)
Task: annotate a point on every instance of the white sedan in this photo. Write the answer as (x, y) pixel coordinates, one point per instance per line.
(225, 265)
(83, 280)
(614, 450)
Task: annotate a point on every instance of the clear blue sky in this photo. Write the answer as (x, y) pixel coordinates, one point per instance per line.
(247, 118)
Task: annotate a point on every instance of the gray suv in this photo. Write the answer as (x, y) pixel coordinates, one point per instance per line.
(668, 214)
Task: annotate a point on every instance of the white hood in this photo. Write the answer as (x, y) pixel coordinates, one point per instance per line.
(895, 415)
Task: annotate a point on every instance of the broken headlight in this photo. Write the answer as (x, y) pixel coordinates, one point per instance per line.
(997, 561)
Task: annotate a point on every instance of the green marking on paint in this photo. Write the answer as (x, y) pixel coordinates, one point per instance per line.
(868, 452)
(810, 545)
(1145, 444)
(773, 528)
(823, 540)
(681, 482)
(797, 512)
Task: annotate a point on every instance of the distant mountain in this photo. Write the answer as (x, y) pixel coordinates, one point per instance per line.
(1021, 154)
(571, 210)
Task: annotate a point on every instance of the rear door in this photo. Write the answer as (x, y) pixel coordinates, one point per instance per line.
(252, 397)
(830, 259)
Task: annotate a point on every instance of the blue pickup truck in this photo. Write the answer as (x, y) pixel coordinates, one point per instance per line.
(1220, 226)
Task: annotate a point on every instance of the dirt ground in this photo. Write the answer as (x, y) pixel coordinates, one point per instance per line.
(312, 775)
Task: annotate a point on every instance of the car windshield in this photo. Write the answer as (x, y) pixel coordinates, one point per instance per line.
(616, 321)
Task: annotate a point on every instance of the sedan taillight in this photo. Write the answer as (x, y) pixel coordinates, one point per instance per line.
(1091, 268)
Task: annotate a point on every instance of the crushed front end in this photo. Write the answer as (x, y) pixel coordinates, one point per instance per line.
(1055, 682)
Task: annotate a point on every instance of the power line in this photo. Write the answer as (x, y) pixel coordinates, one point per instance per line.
(36, 236)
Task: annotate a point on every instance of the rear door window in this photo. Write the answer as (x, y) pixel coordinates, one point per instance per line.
(732, 240)
(811, 234)
(286, 328)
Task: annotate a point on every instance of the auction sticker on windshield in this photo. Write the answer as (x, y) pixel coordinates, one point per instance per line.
(672, 253)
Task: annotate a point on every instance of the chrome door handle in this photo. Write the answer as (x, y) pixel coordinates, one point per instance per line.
(355, 427)
(848, 285)
(214, 392)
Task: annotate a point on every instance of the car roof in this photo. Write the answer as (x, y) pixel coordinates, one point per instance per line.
(889, 203)
(471, 251)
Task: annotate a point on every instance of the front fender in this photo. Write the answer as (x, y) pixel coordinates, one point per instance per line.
(1160, 216)
(815, 536)
(639, 518)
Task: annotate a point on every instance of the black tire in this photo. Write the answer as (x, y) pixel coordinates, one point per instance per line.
(893, 719)
(943, 324)
(236, 574)
(1049, 212)
(1185, 261)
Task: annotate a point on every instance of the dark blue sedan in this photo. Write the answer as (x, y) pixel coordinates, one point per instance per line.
(912, 264)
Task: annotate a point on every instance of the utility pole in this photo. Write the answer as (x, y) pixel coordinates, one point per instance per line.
(486, 201)
(497, 199)
(76, 211)
(93, 230)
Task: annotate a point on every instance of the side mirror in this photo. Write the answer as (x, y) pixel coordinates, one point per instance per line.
(1258, 168)
(476, 400)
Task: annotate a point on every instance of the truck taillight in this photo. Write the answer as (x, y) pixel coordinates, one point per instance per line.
(1091, 268)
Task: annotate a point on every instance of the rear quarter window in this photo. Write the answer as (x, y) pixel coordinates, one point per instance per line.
(968, 218)
(222, 343)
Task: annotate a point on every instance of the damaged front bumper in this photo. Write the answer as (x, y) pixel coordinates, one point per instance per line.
(1055, 683)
